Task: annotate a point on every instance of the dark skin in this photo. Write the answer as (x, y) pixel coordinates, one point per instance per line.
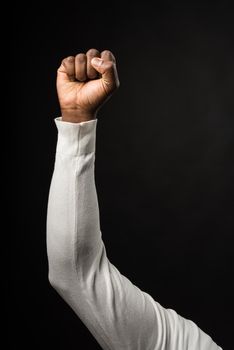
(84, 83)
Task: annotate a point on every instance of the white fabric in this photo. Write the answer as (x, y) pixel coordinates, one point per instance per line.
(117, 313)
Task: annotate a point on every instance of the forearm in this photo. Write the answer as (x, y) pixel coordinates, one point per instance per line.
(73, 229)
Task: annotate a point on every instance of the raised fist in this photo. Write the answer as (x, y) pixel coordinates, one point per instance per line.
(84, 83)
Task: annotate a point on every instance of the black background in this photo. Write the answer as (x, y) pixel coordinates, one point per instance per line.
(164, 161)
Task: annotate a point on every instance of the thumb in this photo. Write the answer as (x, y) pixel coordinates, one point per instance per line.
(108, 72)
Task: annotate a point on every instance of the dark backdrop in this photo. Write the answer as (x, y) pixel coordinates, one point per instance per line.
(164, 162)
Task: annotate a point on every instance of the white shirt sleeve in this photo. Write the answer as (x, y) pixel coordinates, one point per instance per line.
(118, 314)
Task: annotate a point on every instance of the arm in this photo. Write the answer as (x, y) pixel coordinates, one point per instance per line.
(117, 313)
(109, 305)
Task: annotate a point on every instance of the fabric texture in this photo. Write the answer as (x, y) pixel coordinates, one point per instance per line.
(117, 313)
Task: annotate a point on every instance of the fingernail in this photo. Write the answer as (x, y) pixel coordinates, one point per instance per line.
(97, 61)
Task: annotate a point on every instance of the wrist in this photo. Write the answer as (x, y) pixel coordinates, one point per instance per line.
(75, 116)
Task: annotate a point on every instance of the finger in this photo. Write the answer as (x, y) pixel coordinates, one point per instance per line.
(66, 71)
(80, 67)
(106, 66)
(91, 72)
(108, 56)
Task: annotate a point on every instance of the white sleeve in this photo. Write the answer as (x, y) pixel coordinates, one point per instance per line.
(117, 313)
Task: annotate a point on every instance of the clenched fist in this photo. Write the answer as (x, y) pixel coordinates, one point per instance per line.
(84, 83)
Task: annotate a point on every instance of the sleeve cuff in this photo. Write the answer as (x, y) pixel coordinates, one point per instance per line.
(75, 139)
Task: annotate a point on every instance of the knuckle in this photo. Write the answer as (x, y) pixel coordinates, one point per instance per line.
(92, 52)
(80, 57)
(107, 52)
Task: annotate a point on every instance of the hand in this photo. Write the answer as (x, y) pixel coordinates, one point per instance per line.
(84, 83)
